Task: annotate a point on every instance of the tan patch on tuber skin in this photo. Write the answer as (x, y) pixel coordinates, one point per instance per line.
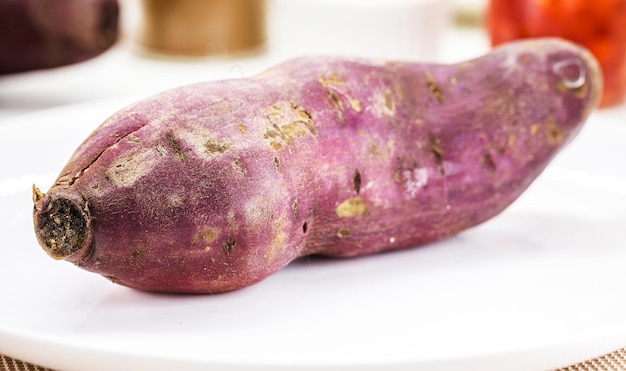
(279, 241)
(242, 129)
(555, 136)
(355, 104)
(437, 151)
(127, 170)
(354, 206)
(335, 102)
(334, 85)
(287, 122)
(433, 88)
(332, 80)
(175, 146)
(206, 236)
(389, 102)
(343, 233)
(534, 129)
(212, 148)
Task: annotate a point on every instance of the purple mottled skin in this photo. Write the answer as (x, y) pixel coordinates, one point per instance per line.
(213, 187)
(37, 34)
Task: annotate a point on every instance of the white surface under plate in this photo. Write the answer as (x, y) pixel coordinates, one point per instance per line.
(539, 286)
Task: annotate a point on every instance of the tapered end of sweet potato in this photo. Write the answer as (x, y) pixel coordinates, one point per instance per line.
(62, 224)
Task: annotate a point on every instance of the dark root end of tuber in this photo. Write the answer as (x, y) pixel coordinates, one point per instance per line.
(62, 227)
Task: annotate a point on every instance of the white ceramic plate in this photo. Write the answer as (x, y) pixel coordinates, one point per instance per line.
(540, 286)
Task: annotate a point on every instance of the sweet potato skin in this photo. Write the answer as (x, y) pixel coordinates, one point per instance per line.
(37, 34)
(212, 187)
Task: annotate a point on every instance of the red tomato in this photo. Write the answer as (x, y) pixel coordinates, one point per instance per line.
(599, 25)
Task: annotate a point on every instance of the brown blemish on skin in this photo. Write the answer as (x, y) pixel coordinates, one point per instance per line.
(331, 80)
(128, 169)
(175, 146)
(489, 161)
(133, 139)
(534, 129)
(294, 208)
(343, 233)
(357, 181)
(335, 102)
(510, 142)
(433, 88)
(333, 83)
(355, 104)
(212, 148)
(238, 166)
(372, 149)
(160, 150)
(435, 148)
(276, 163)
(228, 246)
(304, 114)
(353, 206)
(279, 240)
(242, 129)
(555, 136)
(383, 104)
(286, 125)
(287, 132)
(389, 102)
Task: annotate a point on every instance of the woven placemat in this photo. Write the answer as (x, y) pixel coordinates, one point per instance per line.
(615, 361)
(11, 364)
(608, 362)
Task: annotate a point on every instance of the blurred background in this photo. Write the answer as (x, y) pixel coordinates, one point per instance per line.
(59, 52)
(161, 44)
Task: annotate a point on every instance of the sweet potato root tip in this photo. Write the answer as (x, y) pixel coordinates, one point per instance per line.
(62, 227)
(37, 194)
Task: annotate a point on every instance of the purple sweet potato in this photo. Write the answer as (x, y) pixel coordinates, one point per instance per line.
(214, 186)
(37, 34)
